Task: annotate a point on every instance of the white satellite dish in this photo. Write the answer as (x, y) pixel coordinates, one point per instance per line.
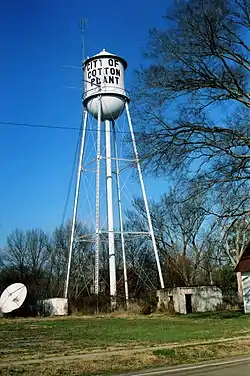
(12, 297)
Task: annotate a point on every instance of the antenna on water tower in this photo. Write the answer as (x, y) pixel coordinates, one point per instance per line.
(105, 99)
(82, 26)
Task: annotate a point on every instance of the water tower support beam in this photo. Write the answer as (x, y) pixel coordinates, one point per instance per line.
(97, 220)
(120, 216)
(85, 118)
(110, 216)
(144, 196)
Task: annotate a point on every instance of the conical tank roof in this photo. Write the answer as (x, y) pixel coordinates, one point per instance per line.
(105, 53)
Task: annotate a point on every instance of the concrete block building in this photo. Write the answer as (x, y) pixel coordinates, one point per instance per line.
(190, 299)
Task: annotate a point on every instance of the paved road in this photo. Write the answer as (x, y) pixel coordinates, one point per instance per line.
(234, 367)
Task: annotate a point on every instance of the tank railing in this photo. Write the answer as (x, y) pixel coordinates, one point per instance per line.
(108, 90)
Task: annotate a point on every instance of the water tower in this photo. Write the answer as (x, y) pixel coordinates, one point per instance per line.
(105, 99)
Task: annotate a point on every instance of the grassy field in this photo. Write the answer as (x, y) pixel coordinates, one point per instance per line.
(22, 339)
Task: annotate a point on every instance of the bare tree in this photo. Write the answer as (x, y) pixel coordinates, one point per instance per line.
(26, 259)
(27, 250)
(15, 252)
(193, 98)
(81, 264)
(182, 232)
(37, 243)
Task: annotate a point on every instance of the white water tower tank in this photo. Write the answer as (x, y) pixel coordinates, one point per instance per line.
(104, 76)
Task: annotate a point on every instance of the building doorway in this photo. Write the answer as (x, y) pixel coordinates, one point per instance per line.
(188, 298)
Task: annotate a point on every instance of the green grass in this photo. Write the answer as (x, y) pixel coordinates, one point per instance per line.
(164, 353)
(26, 338)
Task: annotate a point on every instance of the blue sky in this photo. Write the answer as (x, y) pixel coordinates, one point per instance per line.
(38, 38)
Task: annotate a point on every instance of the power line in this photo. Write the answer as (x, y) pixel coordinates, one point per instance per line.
(30, 125)
(58, 127)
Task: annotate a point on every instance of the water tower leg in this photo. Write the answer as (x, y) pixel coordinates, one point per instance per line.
(120, 216)
(110, 217)
(85, 118)
(97, 219)
(144, 196)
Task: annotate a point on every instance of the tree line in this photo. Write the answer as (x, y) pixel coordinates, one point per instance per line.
(191, 248)
(191, 101)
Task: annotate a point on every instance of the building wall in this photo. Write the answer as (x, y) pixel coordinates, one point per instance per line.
(246, 291)
(203, 298)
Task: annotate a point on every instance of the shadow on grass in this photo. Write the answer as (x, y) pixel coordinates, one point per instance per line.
(216, 315)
